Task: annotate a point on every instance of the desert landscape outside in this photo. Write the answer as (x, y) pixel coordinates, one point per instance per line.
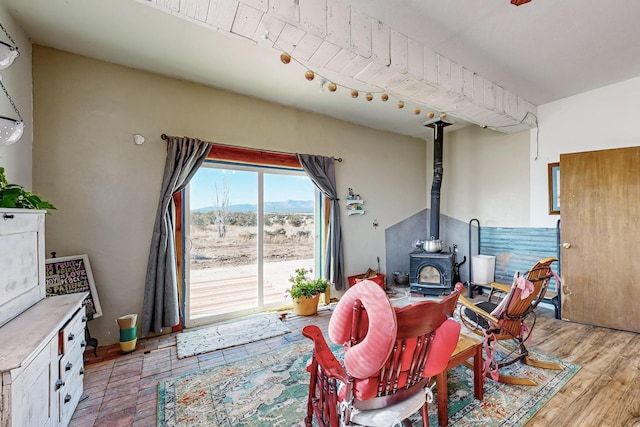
(224, 245)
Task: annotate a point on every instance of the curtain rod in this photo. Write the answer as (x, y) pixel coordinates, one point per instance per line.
(165, 137)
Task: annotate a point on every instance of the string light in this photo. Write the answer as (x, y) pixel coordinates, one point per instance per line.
(286, 58)
(310, 75)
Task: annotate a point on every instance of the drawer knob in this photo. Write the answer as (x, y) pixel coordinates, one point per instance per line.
(67, 398)
(59, 384)
(7, 216)
(84, 318)
(71, 337)
(68, 366)
(81, 371)
(83, 343)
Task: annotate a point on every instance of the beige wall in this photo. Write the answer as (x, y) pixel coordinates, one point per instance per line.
(106, 188)
(486, 176)
(16, 158)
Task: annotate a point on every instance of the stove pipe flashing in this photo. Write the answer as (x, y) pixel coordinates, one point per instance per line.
(438, 126)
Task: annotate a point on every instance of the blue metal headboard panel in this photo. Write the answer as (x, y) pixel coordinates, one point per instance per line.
(517, 249)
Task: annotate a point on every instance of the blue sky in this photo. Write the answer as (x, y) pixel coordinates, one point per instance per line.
(242, 187)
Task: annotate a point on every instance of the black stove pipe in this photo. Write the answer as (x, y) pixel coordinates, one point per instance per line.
(438, 138)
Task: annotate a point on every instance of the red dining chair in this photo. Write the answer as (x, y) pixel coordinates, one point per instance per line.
(390, 356)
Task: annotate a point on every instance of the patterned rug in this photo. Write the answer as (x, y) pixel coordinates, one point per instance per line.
(231, 334)
(271, 389)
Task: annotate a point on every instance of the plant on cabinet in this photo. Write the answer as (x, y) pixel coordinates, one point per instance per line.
(14, 196)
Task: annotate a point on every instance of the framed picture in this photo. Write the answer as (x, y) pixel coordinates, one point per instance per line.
(72, 274)
(554, 188)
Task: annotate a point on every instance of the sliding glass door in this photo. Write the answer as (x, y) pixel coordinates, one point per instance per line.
(249, 228)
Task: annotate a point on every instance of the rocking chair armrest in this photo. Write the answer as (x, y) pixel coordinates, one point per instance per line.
(480, 312)
(502, 287)
(327, 361)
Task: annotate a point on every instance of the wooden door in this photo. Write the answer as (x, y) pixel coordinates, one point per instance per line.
(600, 220)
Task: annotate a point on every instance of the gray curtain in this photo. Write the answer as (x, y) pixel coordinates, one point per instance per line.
(161, 305)
(321, 170)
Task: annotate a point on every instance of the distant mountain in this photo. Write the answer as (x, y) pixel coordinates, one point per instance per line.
(288, 206)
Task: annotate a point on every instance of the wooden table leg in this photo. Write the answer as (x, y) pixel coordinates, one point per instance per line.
(478, 377)
(466, 349)
(443, 401)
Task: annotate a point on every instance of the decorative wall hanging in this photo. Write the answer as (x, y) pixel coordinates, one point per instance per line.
(8, 52)
(10, 129)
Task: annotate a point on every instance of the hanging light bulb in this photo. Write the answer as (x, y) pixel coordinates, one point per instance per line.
(416, 111)
(384, 97)
(11, 130)
(285, 58)
(400, 104)
(354, 93)
(369, 97)
(309, 75)
(8, 53)
(332, 87)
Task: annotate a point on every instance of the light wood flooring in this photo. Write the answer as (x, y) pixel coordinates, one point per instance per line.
(122, 391)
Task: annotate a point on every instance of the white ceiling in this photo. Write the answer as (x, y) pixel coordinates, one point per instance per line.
(540, 52)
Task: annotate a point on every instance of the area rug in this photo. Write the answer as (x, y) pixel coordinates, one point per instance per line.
(227, 335)
(270, 389)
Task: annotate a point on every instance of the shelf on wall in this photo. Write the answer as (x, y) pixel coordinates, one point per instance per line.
(354, 207)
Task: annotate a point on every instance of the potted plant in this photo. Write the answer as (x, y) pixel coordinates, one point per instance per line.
(305, 292)
(14, 196)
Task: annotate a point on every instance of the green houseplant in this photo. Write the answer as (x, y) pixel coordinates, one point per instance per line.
(15, 196)
(305, 292)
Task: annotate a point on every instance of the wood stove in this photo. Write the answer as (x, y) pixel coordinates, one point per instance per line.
(430, 273)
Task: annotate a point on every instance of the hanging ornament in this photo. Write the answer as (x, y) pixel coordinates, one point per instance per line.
(416, 111)
(309, 75)
(285, 58)
(384, 97)
(354, 93)
(332, 87)
(430, 114)
(368, 97)
(400, 104)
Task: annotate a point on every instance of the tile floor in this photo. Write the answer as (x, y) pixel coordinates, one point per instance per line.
(121, 390)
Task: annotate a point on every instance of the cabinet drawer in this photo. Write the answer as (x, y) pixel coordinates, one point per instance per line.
(70, 367)
(72, 334)
(71, 391)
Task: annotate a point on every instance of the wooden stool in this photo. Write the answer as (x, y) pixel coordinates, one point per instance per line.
(467, 348)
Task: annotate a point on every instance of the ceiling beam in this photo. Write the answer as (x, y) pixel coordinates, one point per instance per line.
(332, 35)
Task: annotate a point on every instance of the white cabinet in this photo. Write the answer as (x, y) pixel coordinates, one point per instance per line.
(42, 340)
(41, 363)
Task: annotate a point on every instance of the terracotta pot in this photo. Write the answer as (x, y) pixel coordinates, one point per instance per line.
(306, 306)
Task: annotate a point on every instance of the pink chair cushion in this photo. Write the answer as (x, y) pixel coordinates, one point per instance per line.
(368, 356)
(443, 345)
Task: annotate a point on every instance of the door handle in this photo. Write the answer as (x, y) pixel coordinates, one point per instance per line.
(566, 245)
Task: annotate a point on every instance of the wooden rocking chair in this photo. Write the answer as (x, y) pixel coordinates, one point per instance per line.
(512, 319)
(390, 356)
